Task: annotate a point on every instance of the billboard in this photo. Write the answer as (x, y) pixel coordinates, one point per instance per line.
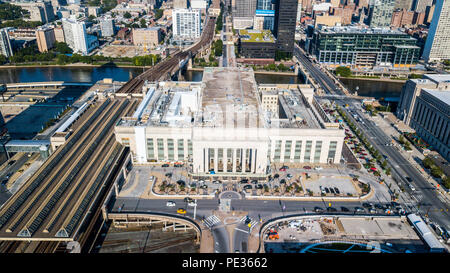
(262, 12)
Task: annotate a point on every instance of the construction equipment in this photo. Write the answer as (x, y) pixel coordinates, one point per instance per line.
(273, 235)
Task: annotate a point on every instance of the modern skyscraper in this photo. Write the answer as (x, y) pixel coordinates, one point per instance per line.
(437, 46)
(186, 23)
(284, 28)
(380, 14)
(245, 8)
(5, 43)
(265, 12)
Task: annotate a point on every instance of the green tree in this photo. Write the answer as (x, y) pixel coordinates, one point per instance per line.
(127, 15)
(62, 48)
(436, 172)
(158, 13)
(143, 23)
(3, 59)
(343, 71)
(12, 12)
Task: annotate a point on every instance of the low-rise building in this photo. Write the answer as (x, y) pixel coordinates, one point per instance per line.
(148, 37)
(222, 127)
(425, 106)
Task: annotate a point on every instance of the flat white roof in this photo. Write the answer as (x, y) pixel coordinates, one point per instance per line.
(443, 96)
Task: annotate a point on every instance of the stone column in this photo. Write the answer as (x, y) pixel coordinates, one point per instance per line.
(216, 159)
(243, 160)
(234, 160)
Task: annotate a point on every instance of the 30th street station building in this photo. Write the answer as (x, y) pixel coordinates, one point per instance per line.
(227, 125)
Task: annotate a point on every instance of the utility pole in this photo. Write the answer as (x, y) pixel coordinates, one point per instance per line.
(195, 208)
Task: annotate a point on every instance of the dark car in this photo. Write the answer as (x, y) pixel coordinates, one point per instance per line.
(318, 209)
(11, 162)
(259, 186)
(379, 206)
(276, 175)
(248, 187)
(244, 181)
(395, 204)
(254, 181)
(4, 181)
(332, 190)
(331, 209)
(178, 165)
(327, 190)
(203, 186)
(285, 167)
(169, 175)
(165, 165)
(188, 199)
(282, 181)
(344, 209)
(307, 167)
(366, 205)
(337, 190)
(409, 179)
(181, 182)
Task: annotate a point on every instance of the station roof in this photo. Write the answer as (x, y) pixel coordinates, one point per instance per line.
(256, 36)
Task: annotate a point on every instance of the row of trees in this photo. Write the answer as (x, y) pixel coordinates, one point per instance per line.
(21, 23)
(406, 144)
(343, 71)
(12, 12)
(374, 152)
(436, 171)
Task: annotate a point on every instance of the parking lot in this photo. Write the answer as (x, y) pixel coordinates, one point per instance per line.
(342, 183)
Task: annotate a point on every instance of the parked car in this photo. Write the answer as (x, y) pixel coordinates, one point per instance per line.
(344, 209)
(11, 162)
(244, 181)
(289, 176)
(254, 181)
(318, 168)
(181, 183)
(276, 175)
(282, 181)
(332, 190)
(259, 186)
(203, 187)
(188, 199)
(192, 204)
(359, 209)
(327, 190)
(379, 206)
(248, 187)
(165, 165)
(5, 181)
(282, 169)
(331, 209)
(170, 204)
(168, 175)
(307, 167)
(367, 205)
(217, 182)
(318, 209)
(372, 210)
(337, 190)
(409, 179)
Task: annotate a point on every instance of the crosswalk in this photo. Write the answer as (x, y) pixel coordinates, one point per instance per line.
(253, 223)
(210, 221)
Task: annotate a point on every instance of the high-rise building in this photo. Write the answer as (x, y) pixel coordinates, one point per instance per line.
(264, 4)
(264, 12)
(420, 5)
(5, 43)
(284, 27)
(403, 4)
(186, 23)
(59, 34)
(45, 38)
(107, 27)
(360, 47)
(77, 38)
(39, 11)
(437, 46)
(380, 14)
(180, 4)
(429, 14)
(245, 8)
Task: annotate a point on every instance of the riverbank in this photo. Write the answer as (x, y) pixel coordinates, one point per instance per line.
(74, 65)
(373, 79)
(200, 69)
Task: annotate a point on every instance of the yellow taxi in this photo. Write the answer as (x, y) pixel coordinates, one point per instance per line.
(181, 211)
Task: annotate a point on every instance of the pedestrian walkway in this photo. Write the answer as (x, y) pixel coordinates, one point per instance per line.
(211, 221)
(253, 223)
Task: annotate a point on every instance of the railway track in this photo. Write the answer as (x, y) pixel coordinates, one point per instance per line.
(161, 69)
(59, 194)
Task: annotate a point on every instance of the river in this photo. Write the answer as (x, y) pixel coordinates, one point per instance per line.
(378, 89)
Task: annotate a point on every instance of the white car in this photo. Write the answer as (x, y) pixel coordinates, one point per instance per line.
(170, 204)
(192, 204)
(318, 168)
